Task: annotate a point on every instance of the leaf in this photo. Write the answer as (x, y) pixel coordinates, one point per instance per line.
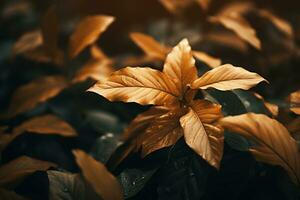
(272, 108)
(204, 138)
(103, 182)
(236, 22)
(227, 77)
(97, 53)
(10, 195)
(204, 4)
(139, 124)
(30, 95)
(153, 49)
(280, 23)
(96, 69)
(140, 85)
(207, 59)
(87, 32)
(50, 34)
(164, 131)
(180, 66)
(28, 42)
(16, 170)
(276, 146)
(150, 46)
(294, 99)
(46, 124)
(176, 6)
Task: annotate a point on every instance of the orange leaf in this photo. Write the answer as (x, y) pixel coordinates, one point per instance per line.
(204, 138)
(227, 77)
(150, 46)
(162, 132)
(180, 66)
(103, 182)
(276, 146)
(16, 170)
(207, 59)
(28, 42)
(46, 124)
(294, 99)
(39, 90)
(140, 85)
(236, 22)
(87, 32)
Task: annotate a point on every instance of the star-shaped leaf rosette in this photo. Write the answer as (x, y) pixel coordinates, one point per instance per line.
(175, 112)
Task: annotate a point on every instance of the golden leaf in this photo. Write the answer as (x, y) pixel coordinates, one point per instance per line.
(204, 138)
(39, 90)
(162, 132)
(87, 32)
(102, 181)
(140, 85)
(294, 99)
(46, 124)
(207, 59)
(180, 66)
(153, 49)
(236, 22)
(28, 42)
(227, 77)
(142, 121)
(281, 24)
(150, 46)
(96, 69)
(276, 146)
(16, 170)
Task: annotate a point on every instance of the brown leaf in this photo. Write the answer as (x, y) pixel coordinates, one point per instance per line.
(16, 170)
(97, 53)
(10, 195)
(204, 4)
(276, 146)
(87, 32)
(280, 23)
(207, 59)
(180, 66)
(96, 69)
(204, 138)
(103, 182)
(50, 33)
(234, 21)
(294, 99)
(142, 121)
(176, 6)
(150, 46)
(28, 42)
(294, 128)
(46, 124)
(273, 108)
(140, 85)
(39, 90)
(227, 77)
(162, 132)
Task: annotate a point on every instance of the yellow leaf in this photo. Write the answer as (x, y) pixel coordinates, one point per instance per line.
(16, 170)
(140, 85)
(150, 46)
(207, 59)
(236, 22)
(227, 77)
(87, 32)
(276, 146)
(204, 138)
(39, 90)
(102, 181)
(162, 132)
(46, 124)
(180, 66)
